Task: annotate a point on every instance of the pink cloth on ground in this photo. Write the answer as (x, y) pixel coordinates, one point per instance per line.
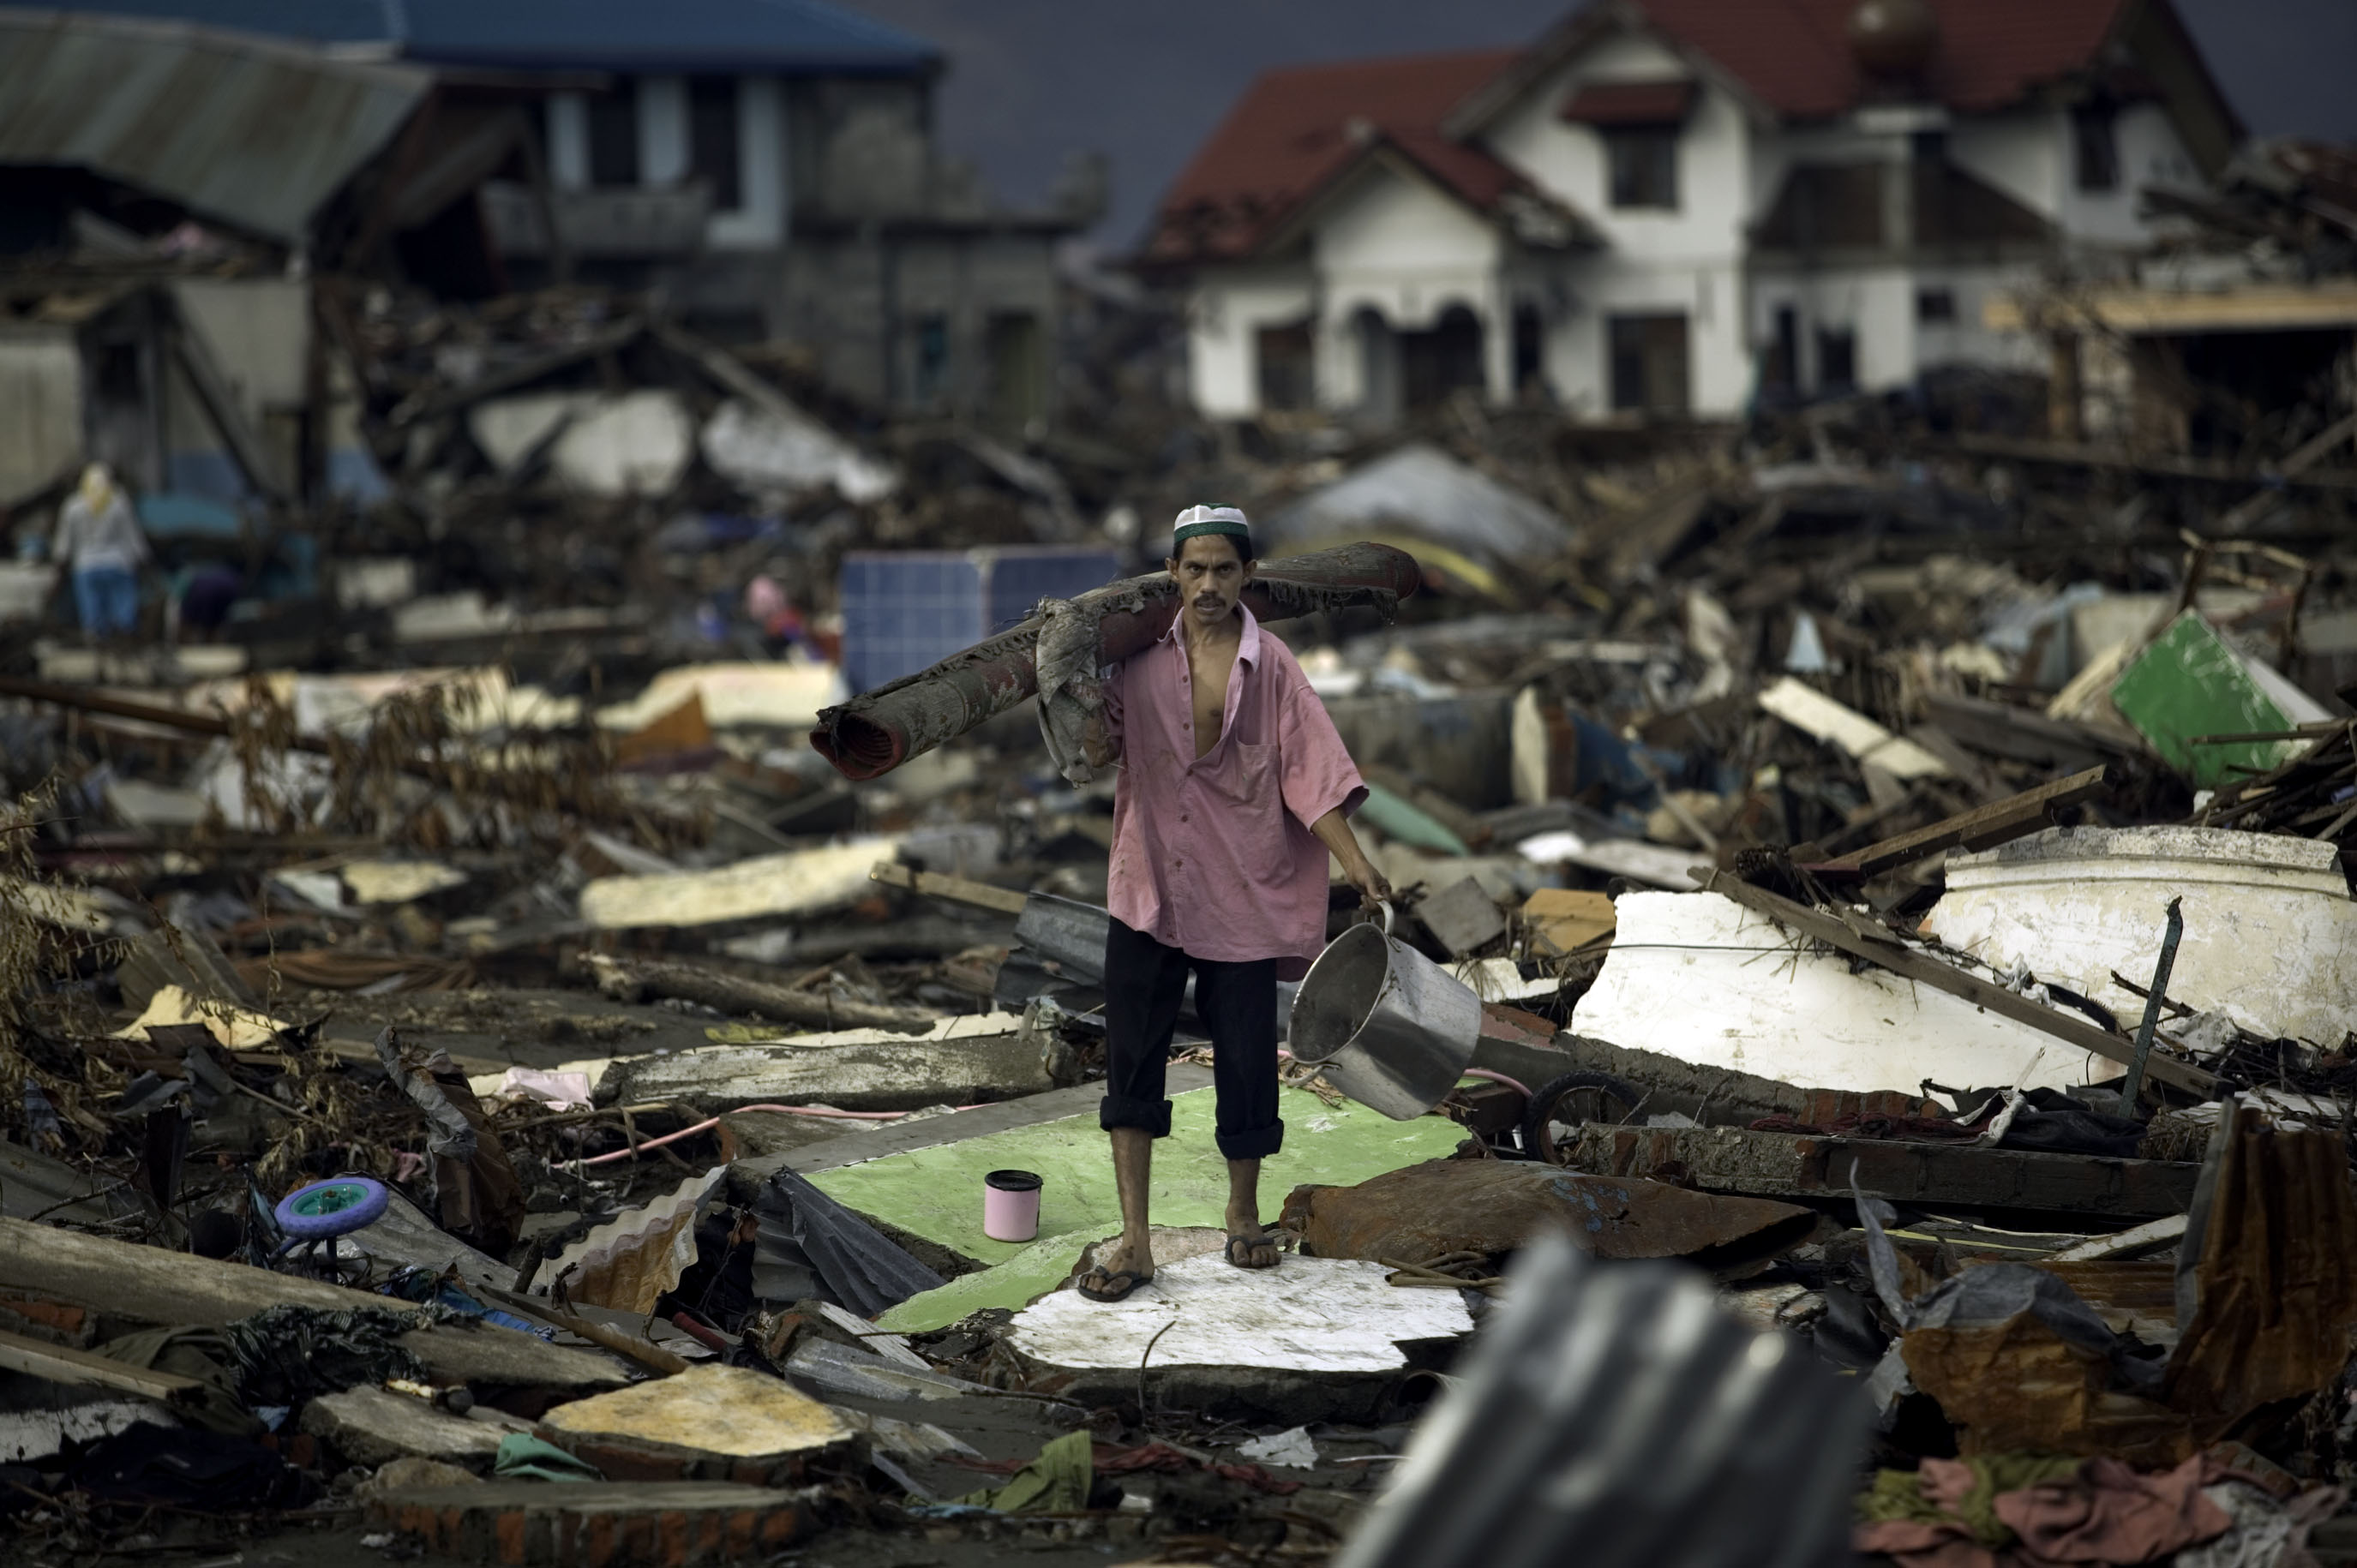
(1214, 854)
(2107, 1515)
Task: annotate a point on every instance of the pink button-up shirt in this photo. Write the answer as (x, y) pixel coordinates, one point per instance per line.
(1214, 854)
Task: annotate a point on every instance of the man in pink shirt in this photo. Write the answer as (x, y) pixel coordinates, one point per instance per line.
(1234, 788)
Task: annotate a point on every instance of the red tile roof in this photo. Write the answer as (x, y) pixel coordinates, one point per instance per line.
(1295, 130)
(1794, 55)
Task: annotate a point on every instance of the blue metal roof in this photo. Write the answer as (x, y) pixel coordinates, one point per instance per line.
(783, 36)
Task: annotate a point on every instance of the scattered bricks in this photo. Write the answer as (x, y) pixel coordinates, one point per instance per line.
(622, 1524)
(68, 1319)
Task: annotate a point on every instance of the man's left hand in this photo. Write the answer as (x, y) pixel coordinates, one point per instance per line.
(1373, 889)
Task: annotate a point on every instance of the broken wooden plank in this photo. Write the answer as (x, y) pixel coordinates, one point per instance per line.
(958, 1061)
(2133, 1244)
(956, 890)
(1887, 949)
(91, 700)
(1804, 1165)
(800, 882)
(83, 1369)
(636, 979)
(148, 1284)
(1983, 828)
(1814, 714)
(2020, 735)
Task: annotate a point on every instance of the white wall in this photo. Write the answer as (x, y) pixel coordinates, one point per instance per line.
(41, 388)
(1706, 293)
(1395, 243)
(568, 141)
(2149, 154)
(1568, 160)
(760, 223)
(1878, 303)
(663, 156)
(2024, 153)
(1229, 306)
(666, 153)
(1687, 260)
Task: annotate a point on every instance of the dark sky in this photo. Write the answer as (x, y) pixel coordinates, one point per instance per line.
(1031, 79)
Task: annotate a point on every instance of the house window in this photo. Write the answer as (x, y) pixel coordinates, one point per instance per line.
(1643, 163)
(1284, 356)
(1837, 359)
(1530, 352)
(2096, 144)
(932, 355)
(1648, 363)
(1935, 306)
(1781, 373)
(614, 137)
(712, 139)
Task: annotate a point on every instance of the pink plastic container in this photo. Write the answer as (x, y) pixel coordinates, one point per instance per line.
(1010, 1206)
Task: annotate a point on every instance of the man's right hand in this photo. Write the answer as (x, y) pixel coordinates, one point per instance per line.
(1099, 750)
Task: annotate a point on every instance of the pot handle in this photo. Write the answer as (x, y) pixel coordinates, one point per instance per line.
(1385, 906)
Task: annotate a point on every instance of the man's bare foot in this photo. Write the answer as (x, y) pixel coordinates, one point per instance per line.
(1249, 1246)
(1120, 1271)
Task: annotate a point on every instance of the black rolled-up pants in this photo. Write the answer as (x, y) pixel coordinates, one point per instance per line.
(1144, 982)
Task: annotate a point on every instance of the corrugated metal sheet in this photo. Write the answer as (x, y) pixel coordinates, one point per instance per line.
(253, 134)
(629, 37)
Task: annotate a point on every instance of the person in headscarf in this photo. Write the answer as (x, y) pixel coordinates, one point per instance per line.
(99, 541)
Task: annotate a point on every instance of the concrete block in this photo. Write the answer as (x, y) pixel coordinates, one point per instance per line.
(709, 1422)
(376, 1427)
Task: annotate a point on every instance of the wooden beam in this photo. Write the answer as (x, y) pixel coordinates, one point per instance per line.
(2133, 1243)
(1975, 829)
(956, 890)
(1960, 1175)
(1888, 951)
(91, 699)
(81, 1369)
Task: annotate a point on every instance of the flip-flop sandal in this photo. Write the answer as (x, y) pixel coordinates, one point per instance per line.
(1266, 1239)
(1111, 1286)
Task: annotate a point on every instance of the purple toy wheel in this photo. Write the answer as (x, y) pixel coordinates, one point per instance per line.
(326, 1208)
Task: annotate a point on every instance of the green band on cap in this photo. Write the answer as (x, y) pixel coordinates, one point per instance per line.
(1186, 531)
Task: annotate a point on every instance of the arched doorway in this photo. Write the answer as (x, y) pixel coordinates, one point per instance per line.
(1379, 364)
(1442, 358)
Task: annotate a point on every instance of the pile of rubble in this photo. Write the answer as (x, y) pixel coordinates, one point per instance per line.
(513, 1071)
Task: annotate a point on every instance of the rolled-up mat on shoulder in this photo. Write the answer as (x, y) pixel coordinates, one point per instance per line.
(875, 733)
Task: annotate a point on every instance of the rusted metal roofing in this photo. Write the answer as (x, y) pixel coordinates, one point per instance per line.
(253, 134)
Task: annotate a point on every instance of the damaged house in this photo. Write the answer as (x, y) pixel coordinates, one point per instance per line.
(1667, 207)
(769, 169)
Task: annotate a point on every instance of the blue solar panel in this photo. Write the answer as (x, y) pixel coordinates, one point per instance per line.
(905, 610)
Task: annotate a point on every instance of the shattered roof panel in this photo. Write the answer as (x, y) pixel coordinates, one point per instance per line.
(255, 134)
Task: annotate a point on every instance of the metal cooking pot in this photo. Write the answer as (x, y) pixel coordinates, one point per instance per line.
(1385, 1025)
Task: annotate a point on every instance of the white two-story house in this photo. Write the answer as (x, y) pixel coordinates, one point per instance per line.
(1674, 207)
